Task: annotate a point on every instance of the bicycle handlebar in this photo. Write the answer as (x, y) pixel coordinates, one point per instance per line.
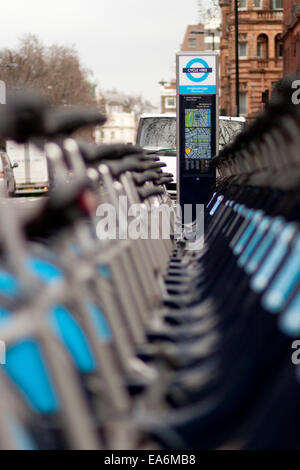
(67, 121)
(142, 178)
(145, 193)
(27, 116)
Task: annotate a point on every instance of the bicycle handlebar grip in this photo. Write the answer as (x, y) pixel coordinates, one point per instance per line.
(92, 153)
(145, 193)
(151, 158)
(66, 121)
(127, 164)
(142, 178)
(154, 165)
(164, 180)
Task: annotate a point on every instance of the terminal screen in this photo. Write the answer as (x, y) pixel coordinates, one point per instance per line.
(198, 116)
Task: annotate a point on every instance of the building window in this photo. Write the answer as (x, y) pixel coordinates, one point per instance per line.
(277, 4)
(244, 103)
(263, 47)
(227, 64)
(227, 19)
(243, 4)
(171, 102)
(116, 109)
(243, 46)
(257, 4)
(278, 47)
(192, 43)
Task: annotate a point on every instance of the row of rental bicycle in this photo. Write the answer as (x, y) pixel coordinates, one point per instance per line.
(136, 343)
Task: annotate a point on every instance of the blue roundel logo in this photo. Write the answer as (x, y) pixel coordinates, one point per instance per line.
(204, 64)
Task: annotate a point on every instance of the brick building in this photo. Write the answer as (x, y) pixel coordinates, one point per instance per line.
(291, 36)
(201, 38)
(193, 38)
(260, 53)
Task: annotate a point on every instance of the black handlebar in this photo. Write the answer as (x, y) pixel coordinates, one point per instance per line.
(147, 192)
(66, 121)
(27, 116)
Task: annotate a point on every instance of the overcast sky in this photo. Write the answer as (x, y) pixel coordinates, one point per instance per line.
(130, 45)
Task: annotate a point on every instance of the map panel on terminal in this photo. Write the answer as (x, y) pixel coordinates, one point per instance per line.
(198, 133)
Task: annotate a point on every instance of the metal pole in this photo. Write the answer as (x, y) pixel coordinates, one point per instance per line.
(213, 40)
(237, 70)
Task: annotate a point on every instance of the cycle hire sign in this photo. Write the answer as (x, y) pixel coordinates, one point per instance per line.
(197, 74)
(197, 125)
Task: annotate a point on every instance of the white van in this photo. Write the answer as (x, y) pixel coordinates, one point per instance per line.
(7, 179)
(31, 175)
(158, 132)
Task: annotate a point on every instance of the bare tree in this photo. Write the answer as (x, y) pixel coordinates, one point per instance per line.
(209, 13)
(55, 71)
(139, 105)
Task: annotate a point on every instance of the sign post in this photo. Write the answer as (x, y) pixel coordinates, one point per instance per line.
(197, 125)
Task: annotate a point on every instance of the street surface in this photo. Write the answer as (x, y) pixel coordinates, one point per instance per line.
(26, 207)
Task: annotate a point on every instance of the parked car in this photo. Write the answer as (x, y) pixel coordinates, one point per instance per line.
(7, 179)
(229, 127)
(158, 132)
